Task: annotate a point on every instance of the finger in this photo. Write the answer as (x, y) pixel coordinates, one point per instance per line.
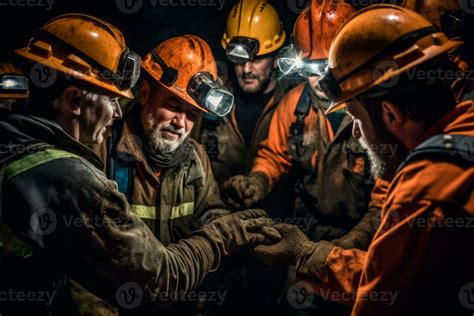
(258, 223)
(233, 205)
(249, 192)
(272, 234)
(251, 213)
(255, 239)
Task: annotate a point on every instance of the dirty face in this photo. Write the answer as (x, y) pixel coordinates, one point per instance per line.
(383, 150)
(97, 113)
(255, 76)
(167, 120)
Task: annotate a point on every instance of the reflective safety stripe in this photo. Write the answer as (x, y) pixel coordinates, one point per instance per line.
(143, 211)
(149, 212)
(33, 160)
(182, 210)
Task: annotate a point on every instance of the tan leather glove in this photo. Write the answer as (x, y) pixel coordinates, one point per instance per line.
(292, 245)
(245, 191)
(246, 228)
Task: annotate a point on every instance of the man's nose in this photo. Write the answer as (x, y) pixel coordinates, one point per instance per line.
(117, 111)
(247, 67)
(179, 120)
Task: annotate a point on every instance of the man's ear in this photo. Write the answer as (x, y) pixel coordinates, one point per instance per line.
(72, 100)
(144, 92)
(393, 117)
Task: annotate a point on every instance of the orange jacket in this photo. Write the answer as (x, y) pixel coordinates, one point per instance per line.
(421, 259)
(334, 163)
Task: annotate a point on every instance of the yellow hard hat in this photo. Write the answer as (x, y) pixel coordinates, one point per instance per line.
(364, 55)
(87, 49)
(185, 66)
(255, 27)
(13, 84)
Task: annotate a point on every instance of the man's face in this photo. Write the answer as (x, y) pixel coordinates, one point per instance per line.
(98, 112)
(255, 76)
(384, 151)
(167, 120)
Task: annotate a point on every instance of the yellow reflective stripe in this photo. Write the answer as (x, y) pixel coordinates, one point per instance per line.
(182, 210)
(143, 211)
(30, 161)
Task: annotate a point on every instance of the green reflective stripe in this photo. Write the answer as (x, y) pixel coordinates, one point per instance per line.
(143, 211)
(30, 161)
(182, 210)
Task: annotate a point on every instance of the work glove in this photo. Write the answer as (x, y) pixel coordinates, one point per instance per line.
(245, 191)
(246, 228)
(292, 246)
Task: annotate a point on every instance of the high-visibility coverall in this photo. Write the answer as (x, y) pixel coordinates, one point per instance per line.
(421, 260)
(333, 171)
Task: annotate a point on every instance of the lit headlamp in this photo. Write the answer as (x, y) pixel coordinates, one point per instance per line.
(210, 95)
(290, 62)
(14, 83)
(242, 49)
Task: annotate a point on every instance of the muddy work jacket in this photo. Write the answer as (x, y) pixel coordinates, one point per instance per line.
(421, 259)
(61, 217)
(334, 176)
(174, 201)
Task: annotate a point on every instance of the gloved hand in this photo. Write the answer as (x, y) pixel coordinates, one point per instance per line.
(245, 191)
(293, 244)
(246, 228)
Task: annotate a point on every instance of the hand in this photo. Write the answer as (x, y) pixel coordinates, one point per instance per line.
(245, 191)
(246, 228)
(293, 242)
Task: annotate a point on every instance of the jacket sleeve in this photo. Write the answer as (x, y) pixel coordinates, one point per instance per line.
(273, 158)
(116, 250)
(209, 205)
(361, 235)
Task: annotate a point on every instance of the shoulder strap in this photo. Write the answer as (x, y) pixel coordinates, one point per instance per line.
(118, 170)
(459, 148)
(296, 142)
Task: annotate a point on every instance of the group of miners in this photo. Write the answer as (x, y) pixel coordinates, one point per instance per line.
(328, 165)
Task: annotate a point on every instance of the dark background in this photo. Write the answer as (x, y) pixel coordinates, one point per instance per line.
(146, 24)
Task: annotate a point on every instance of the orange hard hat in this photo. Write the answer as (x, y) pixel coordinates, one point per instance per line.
(178, 64)
(87, 49)
(317, 25)
(13, 83)
(363, 55)
(431, 9)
